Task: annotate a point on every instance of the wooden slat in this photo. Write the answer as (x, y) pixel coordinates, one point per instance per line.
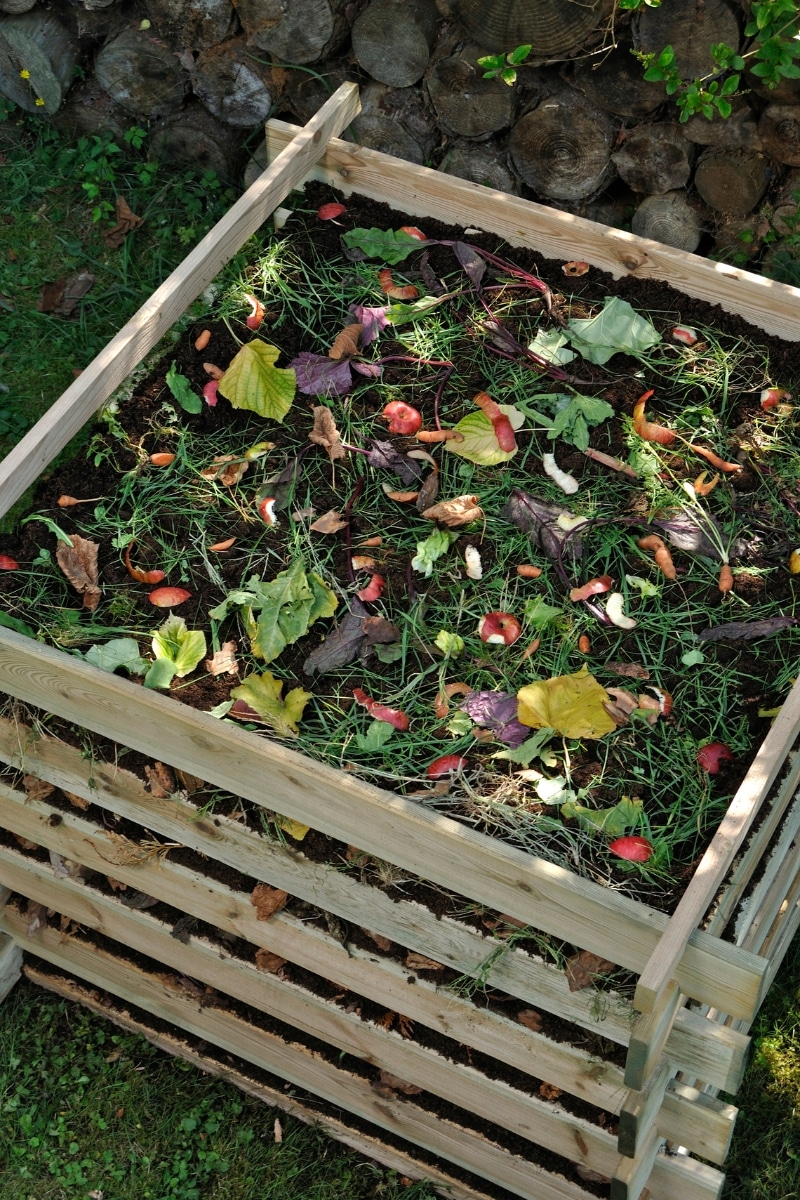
(421, 192)
(718, 1053)
(633, 1173)
(769, 894)
(404, 1162)
(723, 1116)
(716, 861)
(163, 996)
(10, 965)
(649, 1037)
(82, 399)
(440, 849)
(637, 1118)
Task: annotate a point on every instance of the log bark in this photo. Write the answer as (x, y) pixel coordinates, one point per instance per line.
(779, 130)
(300, 31)
(16, 6)
(739, 129)
(655, 159)
(731, 181)
(37, 43)
(141, 74)
(392, 40)
(193, 138)
(481, 163)
(90, 110)
(192, 24)
(669, 219)
(786, 211)
(393, 121)
(691, 27)
(552, 27)
(563, 148)
(233, 87)
(467, 104)
(615, 83)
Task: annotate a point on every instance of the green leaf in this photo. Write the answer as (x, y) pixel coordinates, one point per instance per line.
(574, 415)
(533, 747)
(449, 643)
(382, 243)
(119, 652)
(15, 624)
(552, 345)
(612, 822)
(252, 381)
(262, 693)
(398, 314)
(183, 647)
(693, 658)
(431, 549)
(616, 329)
(161, 674)
(539, 614)
(518, 55)
(280, 611)
(182, 390)
(508, 75)
(390, 653)
(375, 738)
(51, 525)
(480, 444)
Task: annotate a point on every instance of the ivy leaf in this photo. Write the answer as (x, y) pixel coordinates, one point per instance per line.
(318, 375)
(572, 705)
(119, 652)
(480, 444)
(252, 381)
(178, 651)
(381, 243)
(182, 390)
(616, 329)
(262, 695)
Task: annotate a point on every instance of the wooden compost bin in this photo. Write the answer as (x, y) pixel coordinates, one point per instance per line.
(697, 993)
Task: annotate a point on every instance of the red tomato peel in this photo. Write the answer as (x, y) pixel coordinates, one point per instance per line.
(632, 848)
(711, 757)
(448, 764)
(169, 597)
(7, 563)
(328, 212)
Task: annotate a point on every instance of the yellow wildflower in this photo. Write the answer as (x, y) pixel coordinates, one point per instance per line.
(24, 74)
(40, 103)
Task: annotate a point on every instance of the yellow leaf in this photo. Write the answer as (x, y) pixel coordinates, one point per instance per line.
(253, 381)
(570, 704)
(295, 829)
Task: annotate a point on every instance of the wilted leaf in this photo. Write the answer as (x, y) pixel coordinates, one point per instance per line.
(461, 510)
(551, 344)
(379, 631)
(267, 900)
(479, 442)
(318, 375)
(267, 961)
(384, 454)
(119, 652)
(178, 651)
(341, 646)
(746, 629)
(572, 705)
(295, 829)
(326, 434)
(282, 483)
(430, 550)
(127, 221)
(549, 1091)
(617, 328)
(473, 264)
(540, 519)
(400, 313)
(62, 296)
(381, 243)
(79, 564)
(583, 968)
(226, 469)
(281, 611)
(497, 711)
(329, 522)
(382, 942)
(37, 789)
(419, 962)
(161, 780)
(182, 390)
(262, 694)
(428, 492)
(612, 821)
(534, 747)
(223, 661)
(371, 319)
(531, 1019)
(590, 1176)
(393, 1083)
(345, 344)
(252, 381)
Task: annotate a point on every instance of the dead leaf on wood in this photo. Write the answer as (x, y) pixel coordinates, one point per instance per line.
(267, 900)
(24, 842)
(549, 1091)
(139, 901)
(77, 801)
(59, 865)
(79, 563)
(345, 344)
(183, 929)
(459, 511)
(329, 522)
(127, 221)
(590, 1176)
(36, 915)
(161, 780)
(62, 296)
(226, 469)
(583, 969)
(190, 783)
(267, 961)
(325, 433)
(531, 1019)
(631, 670)
(36, 789)
(418, 962)
(387, 1083)
(223, 661)
(383, 943)
(116, 885)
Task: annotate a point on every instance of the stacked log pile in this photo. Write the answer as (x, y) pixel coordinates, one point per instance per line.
(580, 129)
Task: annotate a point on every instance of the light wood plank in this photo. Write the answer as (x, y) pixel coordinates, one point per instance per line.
(10, 965)
(440, 849)
(637, 1118)
(717, 859)
(723, 1116)
(649, 1037)
(82, 399)
(633, 1173)
(718, 1053)
(421, 192)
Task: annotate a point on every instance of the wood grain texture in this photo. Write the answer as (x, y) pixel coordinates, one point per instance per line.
(112, 365)
(420, 192)
(10, 965)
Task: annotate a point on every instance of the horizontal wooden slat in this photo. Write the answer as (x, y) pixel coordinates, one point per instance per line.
(164, 997)
(82, 399)
(421, 192)
(443, 851)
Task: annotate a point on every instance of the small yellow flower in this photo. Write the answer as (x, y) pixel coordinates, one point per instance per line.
(40, 103)
(24, 74)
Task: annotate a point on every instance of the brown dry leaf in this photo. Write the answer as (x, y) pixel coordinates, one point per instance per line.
(267, 900)
(76, 800)
(267, 961)
(385, 1020)
(36, 914)
(531, 1019)
(405, 1026)
(115, 884)
(127, 220)
(189, 783)
(459, 511)
(161, 780)
(226, 469)
(379, 631)
(590, 1176)
(428, 492)
(345, 344)
(62, 296)
(386, 1082)
(24, 842)
(223, 661)
(549, 1091)
(584, 967)
(79, 564)
(418, 962)
(630, 670)
(383, 943)
(36, 789)
(329, 522)
(325, 433)
(621, 705)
